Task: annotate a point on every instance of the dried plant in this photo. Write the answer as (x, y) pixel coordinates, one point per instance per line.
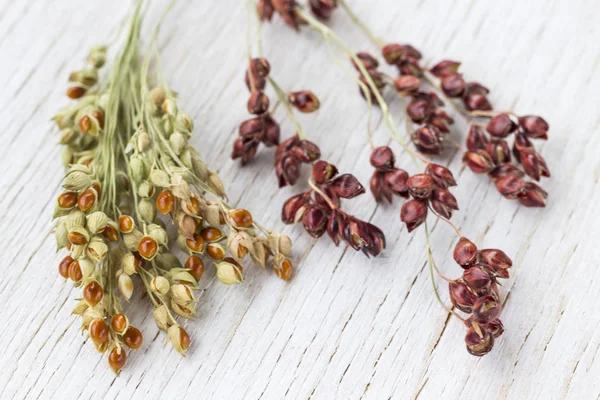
(129, 162)
(320, 212)
(263, 128)
(486, 153)
(318, 208)
(428, 191)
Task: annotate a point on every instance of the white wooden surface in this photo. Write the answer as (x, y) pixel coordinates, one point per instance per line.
(344, 327)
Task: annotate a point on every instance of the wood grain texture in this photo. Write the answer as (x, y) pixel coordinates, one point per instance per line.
(345, 326)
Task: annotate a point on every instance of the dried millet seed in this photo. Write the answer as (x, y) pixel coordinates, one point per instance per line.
(133, 338)
(117, 359)
(195, 265)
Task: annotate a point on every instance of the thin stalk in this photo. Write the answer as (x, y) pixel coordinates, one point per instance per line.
(432, 265)
(314, 187)
(391, 126)
(372, 37)
(283, 99)
(458, 232)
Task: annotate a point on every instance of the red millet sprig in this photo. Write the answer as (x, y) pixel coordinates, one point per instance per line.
(489, 153)
(319, 210)
(319, 207)
(262, 128)
(388, 181)
(484, 155)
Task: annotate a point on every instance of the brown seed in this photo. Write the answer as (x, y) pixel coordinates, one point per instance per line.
(499, 151)
(323, 171)
(419, 110)
(442, 176)
(85, 124)
(477, 279)
(315, 221)
(252, 127)
(271, 131)
(486, 308)
(126, 223)
(86, 200)
(392, 53)
(133, 338)
(184, 339)
(99, 331)
(242, 251)
(479, 345)
(241, 218)
(413, 213)
(196, 244)
(119, 323)
(476, 138)
(453, 85)
(465, 252)
(165, 201)
(476, 101)
(510, 186)
(346, 186)
(407, 84)
(76, 92)
(260, 67)
(258, 103)
(444, 202)
(444, 68)
(533, 196)
(533, 164)
(67, 200)
(535, 127)
(479, 161)
(110, 233)
(196, 266)
(427, 140)
(501, 125)
(396, 181)
(77, 238)
(148, 247)
(211, 234)
(193, 206)
(502, 170)
(215, 251)
(75, 272)
(382, 158)
(368, 61)
(292, 206)
(495, 259)
(420, 185)
(495, 327)
(304, 101)
(285, 270)
(63, 266)
(93, 293)
(461, 297)
(117, 359)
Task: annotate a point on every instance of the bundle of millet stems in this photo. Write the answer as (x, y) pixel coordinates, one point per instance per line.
(130, 175)
(476, 291)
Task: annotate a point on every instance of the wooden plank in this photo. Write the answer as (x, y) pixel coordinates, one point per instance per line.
(345, 326)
